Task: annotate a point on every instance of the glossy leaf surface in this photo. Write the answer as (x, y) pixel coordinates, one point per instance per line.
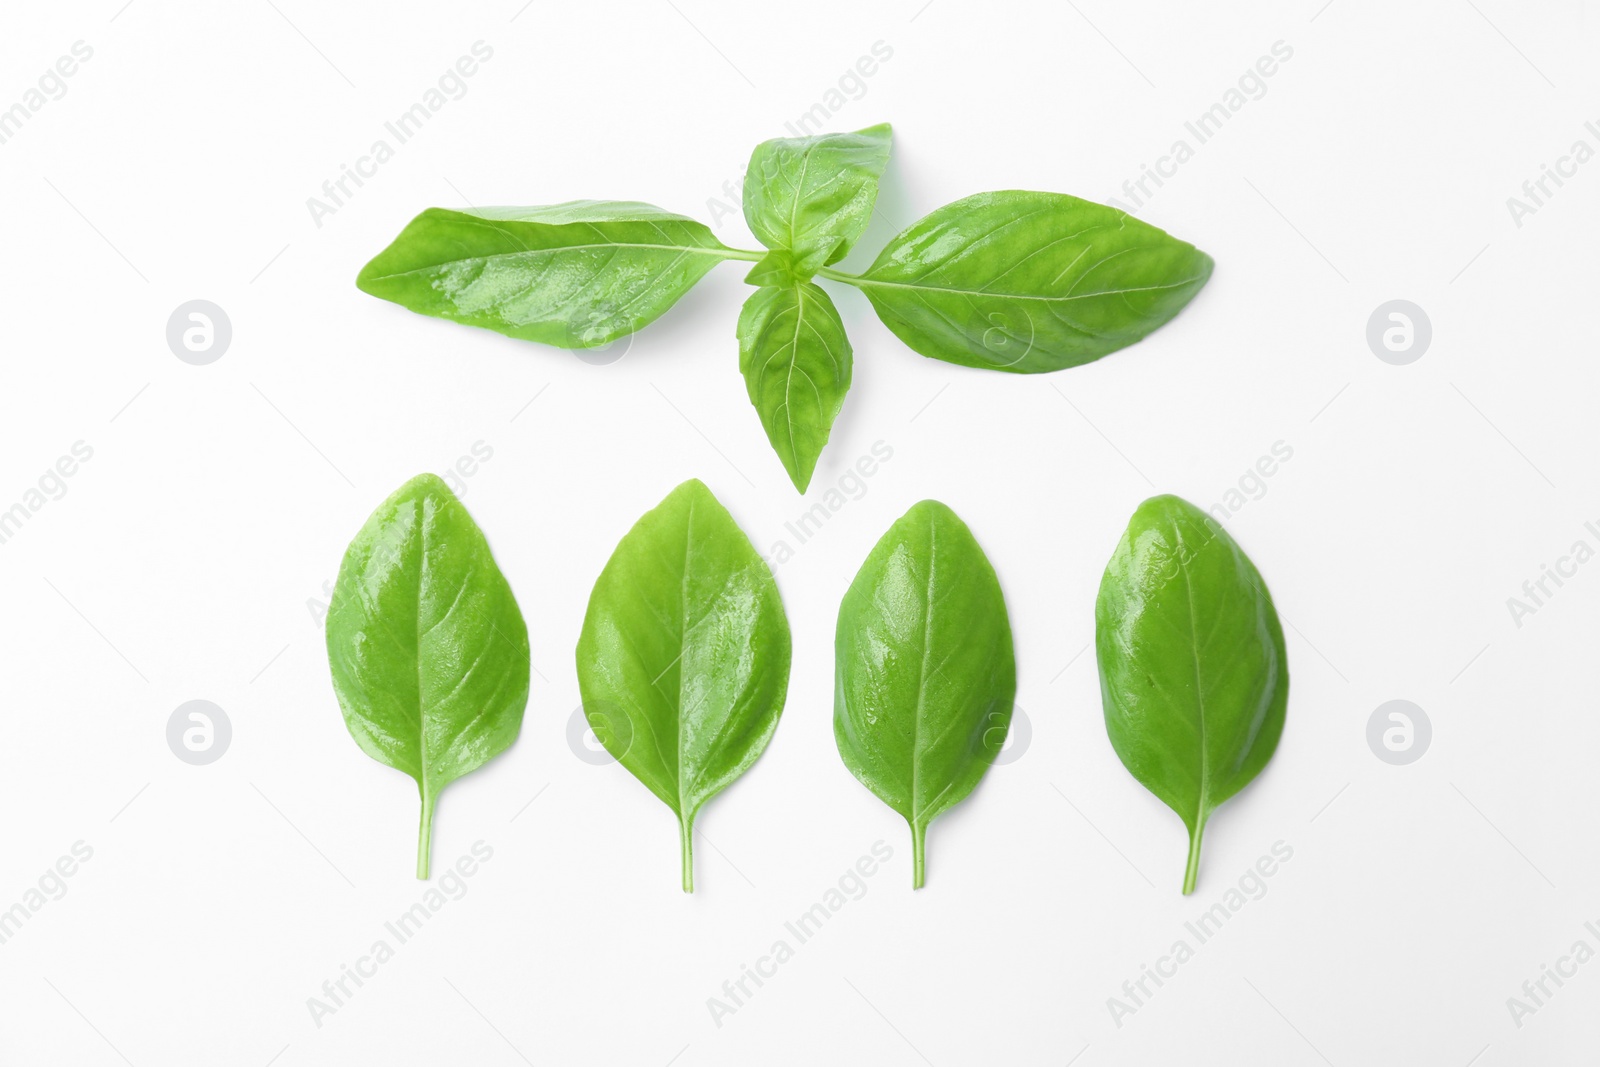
(427, 647)
(576, 275)
(1193, 675)
(813, 196)
(924, 670)
(683, 662)
(1030, 282)
(796, 363)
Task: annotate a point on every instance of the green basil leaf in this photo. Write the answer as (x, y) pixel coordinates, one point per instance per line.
(814, 195)
(1193, 673)
(924, 670)
(796, 363)
(683, 662)
(1029, 282)
(428, 650)
(575, 275)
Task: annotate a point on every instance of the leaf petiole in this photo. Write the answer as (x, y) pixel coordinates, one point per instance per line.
(838, 276)
(425, 835)
(686, 832)
(1192, 871)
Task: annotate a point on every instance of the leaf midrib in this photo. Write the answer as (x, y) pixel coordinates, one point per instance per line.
(799, 189)
(683, 617)
(922, 675)
(1199, 690)
(865, 282)
(720, 253)
(422, 575)
(788, 379)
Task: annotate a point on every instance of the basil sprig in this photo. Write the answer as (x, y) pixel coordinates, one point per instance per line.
(1025, 282)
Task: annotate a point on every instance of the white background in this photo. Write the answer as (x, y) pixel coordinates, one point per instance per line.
(187, 557)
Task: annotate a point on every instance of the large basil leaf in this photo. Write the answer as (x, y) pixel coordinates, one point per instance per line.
(1029, 282)
(576, 275)
(683, 662)
(924, 671)
(813, 196)
(428, 650)
(1193, 674)
(796, 364)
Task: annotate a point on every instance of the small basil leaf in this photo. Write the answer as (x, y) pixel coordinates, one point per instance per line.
(575, 275)
(776, 268)
(796, 363)
(1030, 282)
(683, 662)
(924, 670)
(427, 647)
(1193, 674)
(814, 195)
